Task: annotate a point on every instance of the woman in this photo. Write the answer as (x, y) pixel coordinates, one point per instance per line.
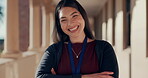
(75, 53)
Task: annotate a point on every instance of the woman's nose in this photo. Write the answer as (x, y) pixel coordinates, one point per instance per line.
(70, 22)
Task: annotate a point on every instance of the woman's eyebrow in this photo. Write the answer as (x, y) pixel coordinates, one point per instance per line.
(73, 13)
(62, 17)
(70, 15)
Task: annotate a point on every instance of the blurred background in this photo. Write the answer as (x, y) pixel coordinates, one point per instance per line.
(26, 28)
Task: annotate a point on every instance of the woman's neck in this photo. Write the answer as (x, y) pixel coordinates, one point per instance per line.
(78, 39)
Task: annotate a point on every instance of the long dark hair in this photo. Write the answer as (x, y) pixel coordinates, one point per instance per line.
(58, 34)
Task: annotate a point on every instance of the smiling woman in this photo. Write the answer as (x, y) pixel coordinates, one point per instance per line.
(76, 54)
(72, 23)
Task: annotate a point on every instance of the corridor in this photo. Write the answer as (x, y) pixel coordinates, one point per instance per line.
(26, 28)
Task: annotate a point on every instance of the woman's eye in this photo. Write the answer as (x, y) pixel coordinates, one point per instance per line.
(63, 20)
(75, 16)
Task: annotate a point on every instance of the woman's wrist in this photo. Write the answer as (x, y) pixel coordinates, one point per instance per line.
(83, 76)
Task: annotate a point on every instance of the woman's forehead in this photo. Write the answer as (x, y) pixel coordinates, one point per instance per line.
(67, 11)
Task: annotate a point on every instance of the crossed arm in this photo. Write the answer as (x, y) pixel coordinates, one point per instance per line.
(109, 67)
(95, 75)
(45, 70)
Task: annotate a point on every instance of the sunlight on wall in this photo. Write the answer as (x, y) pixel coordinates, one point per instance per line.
(104, 37)
(109, 29)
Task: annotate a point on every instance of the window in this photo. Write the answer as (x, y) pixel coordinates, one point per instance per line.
(2, 23)
(127, 25)
(1, 40)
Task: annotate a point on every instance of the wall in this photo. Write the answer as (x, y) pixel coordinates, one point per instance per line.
(132, 59)
(138, 38)
(107, 22)
(23, 67)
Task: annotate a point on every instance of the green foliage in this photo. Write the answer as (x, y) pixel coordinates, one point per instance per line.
(1, 10)
(1, 51)
(1, 13)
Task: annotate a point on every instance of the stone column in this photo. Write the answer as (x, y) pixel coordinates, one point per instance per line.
(110, 21)
(51, 26)
(35, 23)
(11, 42)
(104, 24)
(24, 24)
(45, 28)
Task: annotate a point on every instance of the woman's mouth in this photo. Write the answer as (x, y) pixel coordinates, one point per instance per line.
(73, 29)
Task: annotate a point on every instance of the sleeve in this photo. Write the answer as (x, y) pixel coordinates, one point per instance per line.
(47, 63)
(109, 60)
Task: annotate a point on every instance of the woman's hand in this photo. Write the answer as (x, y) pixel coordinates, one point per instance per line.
(99, 75)
(95, 75)
(53, 72)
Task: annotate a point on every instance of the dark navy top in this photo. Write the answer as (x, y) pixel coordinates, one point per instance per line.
(52, 58)
(89, 63)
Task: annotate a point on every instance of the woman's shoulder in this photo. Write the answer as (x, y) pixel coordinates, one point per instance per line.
(103, 44)
(54, 46)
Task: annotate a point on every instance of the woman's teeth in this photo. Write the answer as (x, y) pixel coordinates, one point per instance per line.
(72, 29)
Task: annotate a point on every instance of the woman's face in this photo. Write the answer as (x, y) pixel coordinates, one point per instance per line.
(72, 22)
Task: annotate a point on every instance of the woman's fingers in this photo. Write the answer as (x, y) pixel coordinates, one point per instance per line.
(99, 75)
(96, 76)
(105, 76)
(107, 73)
(53, 72)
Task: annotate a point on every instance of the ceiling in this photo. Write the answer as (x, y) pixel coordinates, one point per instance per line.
(92, 7)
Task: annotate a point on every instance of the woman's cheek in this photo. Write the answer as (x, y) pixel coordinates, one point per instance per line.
(63, 24)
